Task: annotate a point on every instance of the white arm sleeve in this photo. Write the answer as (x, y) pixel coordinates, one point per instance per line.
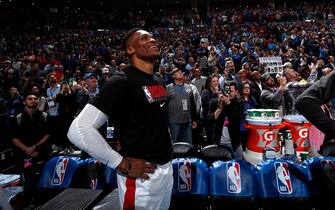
(84, 134)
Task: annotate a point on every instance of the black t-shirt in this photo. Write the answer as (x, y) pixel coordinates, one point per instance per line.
(30, 131)
(136, 104)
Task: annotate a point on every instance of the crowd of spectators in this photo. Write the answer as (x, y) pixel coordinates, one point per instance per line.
(65, 57)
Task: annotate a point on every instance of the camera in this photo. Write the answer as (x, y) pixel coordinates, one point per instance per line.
(226, 90)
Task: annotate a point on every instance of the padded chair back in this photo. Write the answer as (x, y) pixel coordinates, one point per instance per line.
(57, 175)
(283, 183)
(191, 184)
(233, 185)
(183, 150)
(212, 153)
(94, 175)
(58, 172)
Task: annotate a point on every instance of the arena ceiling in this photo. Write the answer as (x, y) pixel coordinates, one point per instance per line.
(122, 3)
(126, 4)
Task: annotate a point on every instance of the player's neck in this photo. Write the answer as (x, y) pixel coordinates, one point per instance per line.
(145, 66)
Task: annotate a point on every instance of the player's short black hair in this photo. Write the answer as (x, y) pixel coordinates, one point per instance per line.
(127, 36)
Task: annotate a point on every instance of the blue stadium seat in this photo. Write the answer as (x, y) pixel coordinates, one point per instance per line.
(283, 184)
(191, 184)
(94, 175)
(57, 175)
(58, 172)
(233, 185)
(63, 172)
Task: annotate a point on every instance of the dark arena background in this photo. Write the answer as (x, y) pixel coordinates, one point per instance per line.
(242, 63)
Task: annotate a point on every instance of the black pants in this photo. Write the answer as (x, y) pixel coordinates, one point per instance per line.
(30, 177)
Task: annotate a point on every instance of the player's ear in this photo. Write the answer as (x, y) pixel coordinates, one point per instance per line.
(130, 50)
